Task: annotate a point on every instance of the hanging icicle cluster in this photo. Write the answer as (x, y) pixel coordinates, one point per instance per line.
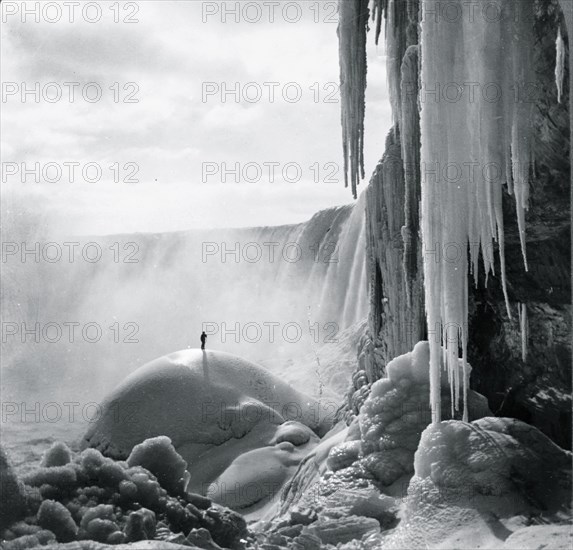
(476, 118)
(352, 31)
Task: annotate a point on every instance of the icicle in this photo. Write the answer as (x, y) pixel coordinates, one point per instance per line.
(521, 33)
(478, 132)
(379, 12)
(559, 64)
(410, 140)
(352, 29)
(396, 45)
(524, 329)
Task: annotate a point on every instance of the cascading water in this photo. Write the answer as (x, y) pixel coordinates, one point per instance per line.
(151, 294)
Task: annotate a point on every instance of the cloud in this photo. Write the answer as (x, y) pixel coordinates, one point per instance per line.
(164, 61)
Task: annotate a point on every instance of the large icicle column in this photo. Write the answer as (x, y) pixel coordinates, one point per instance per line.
(476, 119)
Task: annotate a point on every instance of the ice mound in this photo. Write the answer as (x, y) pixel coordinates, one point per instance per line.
(502, 459)
(241, 431)
(196, 397)
(477, 483)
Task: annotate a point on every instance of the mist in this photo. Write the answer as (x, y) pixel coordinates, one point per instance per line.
(79, 313)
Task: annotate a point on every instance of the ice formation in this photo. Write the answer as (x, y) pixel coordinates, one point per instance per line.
(158, 455)
(58, 454)
(396, 412)
(476, 114)
(96, 499)
(476, 119)
(524, 329)
(559, 64)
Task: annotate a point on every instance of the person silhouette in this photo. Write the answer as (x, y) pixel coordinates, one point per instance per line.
(203, 340)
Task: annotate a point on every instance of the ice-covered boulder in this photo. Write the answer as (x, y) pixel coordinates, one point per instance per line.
(55, 517)
(227, 528)
(502, 460)
(58, 454)
(477, 483)
(140, 525)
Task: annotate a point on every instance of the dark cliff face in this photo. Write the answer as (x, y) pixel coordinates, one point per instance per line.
(522, 365)
(534, 386)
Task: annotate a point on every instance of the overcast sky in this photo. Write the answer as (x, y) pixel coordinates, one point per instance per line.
(167, 149)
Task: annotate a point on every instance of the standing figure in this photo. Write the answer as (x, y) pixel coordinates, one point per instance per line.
(203, 339)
